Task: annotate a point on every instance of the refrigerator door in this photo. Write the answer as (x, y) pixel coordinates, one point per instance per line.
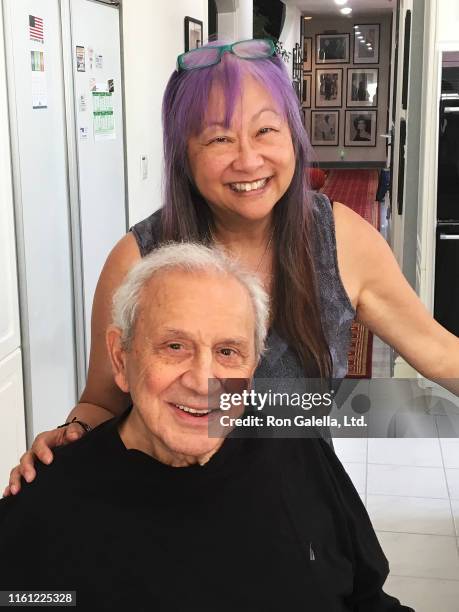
(446, 305)
(96, 49)
(38, 141)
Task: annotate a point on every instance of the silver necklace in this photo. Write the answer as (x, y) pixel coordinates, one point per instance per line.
(268, 244)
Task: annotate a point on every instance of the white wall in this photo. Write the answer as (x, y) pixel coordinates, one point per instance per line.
(291, 32)
(234, 19)
(153, 36)
(448, 22)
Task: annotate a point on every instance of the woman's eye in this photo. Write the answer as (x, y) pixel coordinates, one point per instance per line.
(265, 130)
(220, 140)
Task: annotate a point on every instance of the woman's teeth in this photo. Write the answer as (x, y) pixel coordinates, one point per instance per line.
(249, 186)
(193, 411)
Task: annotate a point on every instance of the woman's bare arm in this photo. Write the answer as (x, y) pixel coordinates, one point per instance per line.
(101, 399)
(388, 305)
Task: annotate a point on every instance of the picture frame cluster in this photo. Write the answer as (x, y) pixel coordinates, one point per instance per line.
(333, 86)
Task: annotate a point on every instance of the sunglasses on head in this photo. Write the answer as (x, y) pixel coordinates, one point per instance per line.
(257, 48)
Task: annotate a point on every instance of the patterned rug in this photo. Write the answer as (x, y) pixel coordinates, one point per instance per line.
(357, 189)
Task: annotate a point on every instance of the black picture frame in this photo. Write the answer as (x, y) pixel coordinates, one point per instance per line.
(339, 48)
(366, 29)
(351, 136)
(313, 134)
(307, 54)
(191, 41)
(303, 115)
(361, 97)
(297, 70)
(297, 62)
(321, 103)
(306, 91)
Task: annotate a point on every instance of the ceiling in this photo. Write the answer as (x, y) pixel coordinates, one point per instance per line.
(328, 7)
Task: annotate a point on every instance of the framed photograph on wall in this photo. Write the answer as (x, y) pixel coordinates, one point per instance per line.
(329, 87)
(307, 54)
(193, 33)
(366, 43)
(362, 87)
(303, 116)
(307, 84)
(297, 62)
(332, 48)
(324, 128)
(360, 128)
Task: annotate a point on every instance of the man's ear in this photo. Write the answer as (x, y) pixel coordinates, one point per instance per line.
(117, 357)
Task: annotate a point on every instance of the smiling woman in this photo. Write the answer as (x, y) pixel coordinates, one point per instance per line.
(235, 129)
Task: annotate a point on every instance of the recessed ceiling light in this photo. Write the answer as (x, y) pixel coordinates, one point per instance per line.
(340, 2)
(368, 44)
(357, 32)
(346, 10)
(356, 27)
(307, 18)
(360, 37)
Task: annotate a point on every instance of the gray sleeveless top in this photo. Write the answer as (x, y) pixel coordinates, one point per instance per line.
(280, 361)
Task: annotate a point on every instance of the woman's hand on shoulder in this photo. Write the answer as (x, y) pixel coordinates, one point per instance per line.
(385, 301)
(41, 450)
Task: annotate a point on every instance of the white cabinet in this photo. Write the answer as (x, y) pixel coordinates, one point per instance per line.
(12, 431)
(39, 156)
(9, 310)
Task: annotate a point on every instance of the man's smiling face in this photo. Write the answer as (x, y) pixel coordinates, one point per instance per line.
(190, 328)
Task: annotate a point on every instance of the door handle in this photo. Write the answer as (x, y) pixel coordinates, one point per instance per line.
(449, 236)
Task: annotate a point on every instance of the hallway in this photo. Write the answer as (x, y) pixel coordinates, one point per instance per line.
(357, 189)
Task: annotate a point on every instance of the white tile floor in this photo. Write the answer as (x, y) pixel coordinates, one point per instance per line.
(411, 491)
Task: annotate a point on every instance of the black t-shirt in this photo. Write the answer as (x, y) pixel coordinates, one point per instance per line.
(266, 525)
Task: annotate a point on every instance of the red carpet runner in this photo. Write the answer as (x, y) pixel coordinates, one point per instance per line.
(357, 189)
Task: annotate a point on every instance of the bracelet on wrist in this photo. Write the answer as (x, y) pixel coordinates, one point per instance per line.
(84, 425)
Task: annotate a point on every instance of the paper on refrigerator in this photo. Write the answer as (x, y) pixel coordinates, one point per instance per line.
(103, 116)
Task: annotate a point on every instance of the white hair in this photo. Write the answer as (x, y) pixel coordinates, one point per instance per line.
(187, 257)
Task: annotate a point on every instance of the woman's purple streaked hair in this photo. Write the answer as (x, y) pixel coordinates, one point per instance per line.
(187, 217)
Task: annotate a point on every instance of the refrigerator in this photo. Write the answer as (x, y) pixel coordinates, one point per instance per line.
(446, 292)
(65, 87)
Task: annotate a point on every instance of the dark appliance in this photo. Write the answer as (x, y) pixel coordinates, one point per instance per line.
(446, 297)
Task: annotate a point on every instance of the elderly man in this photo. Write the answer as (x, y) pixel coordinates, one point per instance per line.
(149, 512)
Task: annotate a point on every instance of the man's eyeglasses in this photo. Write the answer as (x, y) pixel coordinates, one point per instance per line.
(257, 48)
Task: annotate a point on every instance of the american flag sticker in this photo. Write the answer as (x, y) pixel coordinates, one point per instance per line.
(36, 28)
